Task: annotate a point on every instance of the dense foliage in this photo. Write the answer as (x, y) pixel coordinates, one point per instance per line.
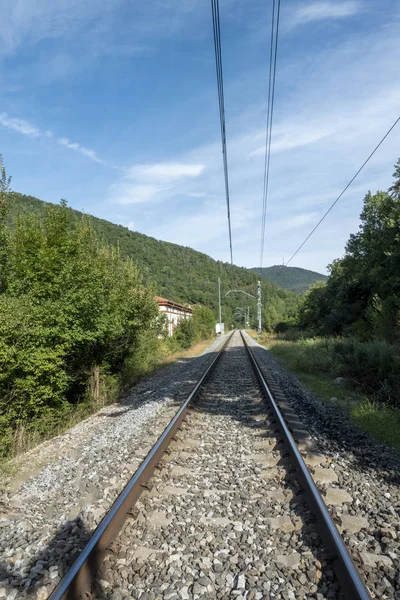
(78, 320)
(182, 274)
(199, 327)
(71, 311)
(362, 295)
(293, 279)
(358, 309)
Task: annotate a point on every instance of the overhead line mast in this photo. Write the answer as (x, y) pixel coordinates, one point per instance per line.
(220, 86)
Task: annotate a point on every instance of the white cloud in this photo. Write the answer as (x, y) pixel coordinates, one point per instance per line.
(142, 184)
(78, 148)
(19, 125)
(295, 222)
(292, 139)
(130, 193)
(319, 11)
(28, 22)
(26, 128)
(31, 22)
(165, 171)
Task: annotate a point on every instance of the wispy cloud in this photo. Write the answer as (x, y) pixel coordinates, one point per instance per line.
(166, 171)
(126, 193)
(19, 125)
(30, 130)
(290, 139)
(319, 11)
(81, 149)
(27, 22)
(149, 183)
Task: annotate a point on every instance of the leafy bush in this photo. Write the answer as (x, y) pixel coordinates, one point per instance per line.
(203, 321)
(146, 355)
(362, 295)
(70, 316)
(199, 327)
(185, 333)
(372, 367)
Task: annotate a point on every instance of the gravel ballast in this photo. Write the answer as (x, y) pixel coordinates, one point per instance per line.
(368, 471)
(64, 487)
(225, 518)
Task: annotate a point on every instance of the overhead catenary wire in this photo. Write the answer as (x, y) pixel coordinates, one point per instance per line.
(270, 113)
(344, 190)
(220, 86)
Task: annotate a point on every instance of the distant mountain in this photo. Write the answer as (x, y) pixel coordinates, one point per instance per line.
(290, 278)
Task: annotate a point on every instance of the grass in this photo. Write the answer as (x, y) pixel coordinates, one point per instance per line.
(317, 370)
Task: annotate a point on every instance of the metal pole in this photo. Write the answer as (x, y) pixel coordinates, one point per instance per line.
(259, 330)
(219, 296)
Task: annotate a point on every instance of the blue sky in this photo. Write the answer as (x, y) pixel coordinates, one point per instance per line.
(113, 106)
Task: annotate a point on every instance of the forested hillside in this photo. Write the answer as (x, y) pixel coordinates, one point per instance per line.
(293, 279)
(180, 273)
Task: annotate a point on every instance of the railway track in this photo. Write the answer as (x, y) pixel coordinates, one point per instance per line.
(223, 506)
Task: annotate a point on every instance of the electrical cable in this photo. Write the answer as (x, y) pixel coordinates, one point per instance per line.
(346, 188)
(220, 86)
(263, 214)
(270, 114)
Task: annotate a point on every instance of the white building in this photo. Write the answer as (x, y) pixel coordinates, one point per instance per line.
(174, 312)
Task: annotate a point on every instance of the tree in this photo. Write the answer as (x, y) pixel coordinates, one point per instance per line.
(362, 294)
(395, 189)
(72, 307)
(5, 189)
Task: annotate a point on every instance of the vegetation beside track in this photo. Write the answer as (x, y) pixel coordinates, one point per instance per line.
(77, 323)
(317, 362)
(362, 295)
(349, 327)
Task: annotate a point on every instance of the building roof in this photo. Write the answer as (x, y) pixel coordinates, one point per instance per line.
(165, 302)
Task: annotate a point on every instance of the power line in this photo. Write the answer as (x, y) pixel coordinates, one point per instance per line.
(270, 114)
(266, 137)
(341, 194)
(220, 85)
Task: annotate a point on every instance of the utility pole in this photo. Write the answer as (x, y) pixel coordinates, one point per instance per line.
(219, 299)
(259, 330)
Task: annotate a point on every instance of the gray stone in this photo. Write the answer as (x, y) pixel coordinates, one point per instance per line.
(337, 496)
(352, 523)
(289, 560)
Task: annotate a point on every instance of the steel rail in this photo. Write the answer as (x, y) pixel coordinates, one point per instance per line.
(349, 578)
(76, 583)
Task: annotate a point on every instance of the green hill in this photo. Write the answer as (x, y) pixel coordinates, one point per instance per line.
(181, 273)
(290, 278)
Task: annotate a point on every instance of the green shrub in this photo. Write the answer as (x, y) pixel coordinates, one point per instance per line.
(375, 367)
(315, 355)
(69, 317)
(148, 352)
(185, 333)
(372, 367)
(203, 322)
